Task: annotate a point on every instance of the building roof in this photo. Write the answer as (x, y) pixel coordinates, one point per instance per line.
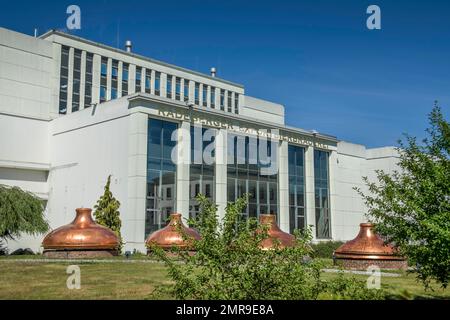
(134, 55)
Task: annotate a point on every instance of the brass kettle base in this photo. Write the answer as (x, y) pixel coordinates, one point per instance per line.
(80, 254)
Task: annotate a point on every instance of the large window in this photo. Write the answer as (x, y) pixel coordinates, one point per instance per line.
(169, 87)
(321, 191)
(76, 80)
(104, 72)
(230, 102)
(197, 93)
(201, 171)
(205, 95)
(88, 82)
(125, 68)
(249, 160)
(138, 79)
(64, 80)
(236, 103)
(222, 100)
(114, 79)
(213, 97)
(297, 218)
(148, 80)
(157, 83)
(161, 181)
(186, 90)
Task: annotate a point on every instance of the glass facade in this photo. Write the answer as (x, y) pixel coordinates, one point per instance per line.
(197, 93)
(138, 79)
(321, 192)
(230, 102)
(76, 80)
(297, 218)
(201, 171)
(114, 79)
(88, 80)
(148, 80)
(64, 80)
(186, 90)
(125, 68)
(157, 83)
(169, 87)
(247, 161)
(213, 97)
(161, 174)
(205, 95)
(103, 75)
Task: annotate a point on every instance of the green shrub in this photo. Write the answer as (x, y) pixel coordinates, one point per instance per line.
(325, 249)
(107, 212)
(229, 263)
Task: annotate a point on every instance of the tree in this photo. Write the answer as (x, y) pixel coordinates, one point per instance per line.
(229, 263)
(107, 212)
(20, 212)
(411, 207)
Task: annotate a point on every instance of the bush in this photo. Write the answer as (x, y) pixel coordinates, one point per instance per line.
(229, 263)
(107, 212)
(325, 249)
(349, 288)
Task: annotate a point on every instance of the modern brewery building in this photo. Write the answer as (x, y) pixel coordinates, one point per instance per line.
(73, 111)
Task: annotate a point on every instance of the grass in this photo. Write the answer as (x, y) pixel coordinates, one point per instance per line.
(133, 279)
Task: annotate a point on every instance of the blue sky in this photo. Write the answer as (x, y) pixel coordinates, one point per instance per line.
(316, 57)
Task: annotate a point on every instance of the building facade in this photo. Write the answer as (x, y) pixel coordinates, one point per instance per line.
(73, 111)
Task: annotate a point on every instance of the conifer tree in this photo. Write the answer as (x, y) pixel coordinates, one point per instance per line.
(107, 212)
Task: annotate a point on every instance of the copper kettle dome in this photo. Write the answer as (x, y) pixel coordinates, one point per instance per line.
(81, 234)
(367, 246)
(274, 232)
(169, 236)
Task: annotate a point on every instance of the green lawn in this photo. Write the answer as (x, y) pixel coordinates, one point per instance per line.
(134, 279)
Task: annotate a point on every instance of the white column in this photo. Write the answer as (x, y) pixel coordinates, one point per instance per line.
(152, 82)
(108, 79)
(241, 102)
(96, 69)
(134, 225)
(55, 81)
(70, 81)
(221, 172)
(183, 161)
(132, 79)
(309, 186)
(142, 79)
(163, 85)
(82, 79)
(191, 91)
(217, 100)
(225, 101)
(200, 95)
(283, 188)
(174, 84)
(332, 187)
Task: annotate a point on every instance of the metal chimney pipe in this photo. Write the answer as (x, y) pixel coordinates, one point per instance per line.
(128, 45)
(213, 72)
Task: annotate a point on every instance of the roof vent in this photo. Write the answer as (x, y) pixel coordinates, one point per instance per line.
(213, 72)
(128, 45)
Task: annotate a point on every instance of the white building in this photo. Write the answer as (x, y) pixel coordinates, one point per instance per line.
(73, 111)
